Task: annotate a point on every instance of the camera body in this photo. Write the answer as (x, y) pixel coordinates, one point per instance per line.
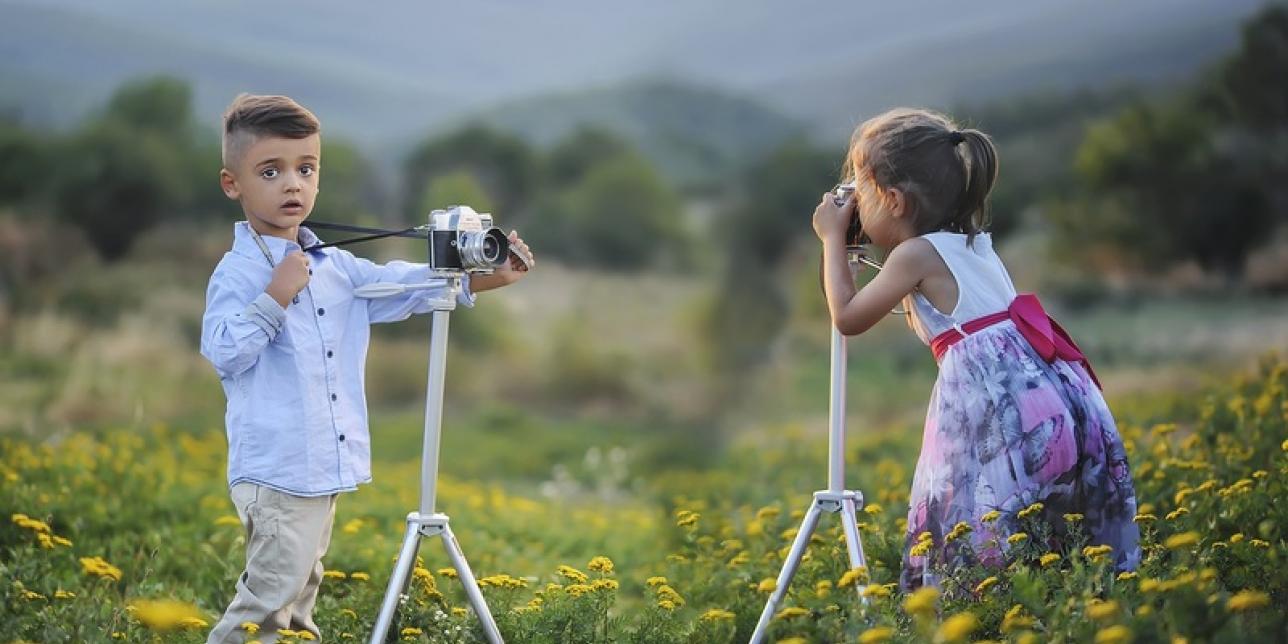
(854, 233)
(461, 239)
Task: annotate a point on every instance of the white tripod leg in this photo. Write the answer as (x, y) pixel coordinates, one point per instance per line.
(397, 583)
(789, 570)
(471, 586)
(853, 542)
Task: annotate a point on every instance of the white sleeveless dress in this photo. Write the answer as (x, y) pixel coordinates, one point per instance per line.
(1006, 429)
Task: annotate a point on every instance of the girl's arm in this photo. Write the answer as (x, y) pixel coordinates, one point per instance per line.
(855, 311)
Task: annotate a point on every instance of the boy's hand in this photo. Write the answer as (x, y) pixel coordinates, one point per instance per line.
(289, 278)
(509, 272)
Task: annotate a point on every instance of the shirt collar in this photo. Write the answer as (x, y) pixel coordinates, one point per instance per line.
(244, 242)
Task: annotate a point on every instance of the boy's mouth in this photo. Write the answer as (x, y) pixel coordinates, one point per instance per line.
(292, 205)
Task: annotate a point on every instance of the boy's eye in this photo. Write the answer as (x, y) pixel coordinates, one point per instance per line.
(268, 173)
(306, 170)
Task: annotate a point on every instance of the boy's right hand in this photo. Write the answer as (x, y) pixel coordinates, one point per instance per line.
(289, 278)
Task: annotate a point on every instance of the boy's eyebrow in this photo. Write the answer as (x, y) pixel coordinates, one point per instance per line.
(307, 157)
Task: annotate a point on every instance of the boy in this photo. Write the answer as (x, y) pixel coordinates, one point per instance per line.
(289, 341)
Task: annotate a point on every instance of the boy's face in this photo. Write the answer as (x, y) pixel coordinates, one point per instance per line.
(276, 181)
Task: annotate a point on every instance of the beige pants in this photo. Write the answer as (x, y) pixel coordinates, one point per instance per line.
(286, 536)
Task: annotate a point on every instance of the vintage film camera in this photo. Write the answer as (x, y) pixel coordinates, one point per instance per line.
(854, 233)
(461, 239)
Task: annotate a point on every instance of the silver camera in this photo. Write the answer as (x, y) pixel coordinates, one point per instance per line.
(464, 240)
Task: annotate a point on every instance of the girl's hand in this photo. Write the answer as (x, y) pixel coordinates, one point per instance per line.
(830, 219)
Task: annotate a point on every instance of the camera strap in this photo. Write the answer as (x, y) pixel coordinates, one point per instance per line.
(373, 233)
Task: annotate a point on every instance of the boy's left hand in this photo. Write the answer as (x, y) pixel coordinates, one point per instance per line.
(509, 272)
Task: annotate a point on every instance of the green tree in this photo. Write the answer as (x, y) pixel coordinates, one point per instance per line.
(502, 164)
(25, 163)
(347, 187)
(455, 188)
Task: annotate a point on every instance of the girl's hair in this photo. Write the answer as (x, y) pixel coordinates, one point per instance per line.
(945, 173)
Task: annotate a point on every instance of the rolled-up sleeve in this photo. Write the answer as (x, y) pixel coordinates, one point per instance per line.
(237, 324)
(399, 307)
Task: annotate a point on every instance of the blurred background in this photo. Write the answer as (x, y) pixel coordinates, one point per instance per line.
(663, 160)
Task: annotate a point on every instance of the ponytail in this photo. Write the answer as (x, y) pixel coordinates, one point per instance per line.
(979, 160)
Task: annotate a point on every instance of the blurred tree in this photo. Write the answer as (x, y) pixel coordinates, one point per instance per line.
(586, 147)
(115, 182)
(458, 187)
(160, 104)
(502, 164)
(1253, 78)
(25, 163)
(346, 184)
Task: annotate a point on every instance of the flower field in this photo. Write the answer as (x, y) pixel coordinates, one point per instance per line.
(130, 536)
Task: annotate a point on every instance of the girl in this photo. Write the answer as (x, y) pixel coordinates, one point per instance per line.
(1016, 416)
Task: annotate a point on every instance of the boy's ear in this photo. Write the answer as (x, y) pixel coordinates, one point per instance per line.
(228, 183)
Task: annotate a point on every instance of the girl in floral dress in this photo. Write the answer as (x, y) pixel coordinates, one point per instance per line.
(1016, 417)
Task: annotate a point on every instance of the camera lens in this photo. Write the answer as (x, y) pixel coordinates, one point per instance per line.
(484, 249)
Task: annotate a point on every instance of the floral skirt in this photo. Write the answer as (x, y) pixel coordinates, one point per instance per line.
(1004, 430)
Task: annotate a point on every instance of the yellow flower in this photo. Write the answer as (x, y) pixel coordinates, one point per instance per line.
(1236, 537)
(823, 588)
(872, 509)
(876, 635)
(666, 604)
(359, 576)
(32, 596)
(577, 590)
(921, 549)
(166, 614)
(1258, 543)
(1246, 600)
(1017, 538)
(63, 594)
(459, 612)
(1048, 559)
(228, 519)
(718, 615)
(1182, 540)
(991, 516)
(250, 627)
(767, 585)
(655, 581)
(956, 628)
(875, 590)
(1073, 517)
(1015, 620)
(793, 640)
(193, 622)
(685, 518)
(572, 574)
(1124, 576)
(97, 566)
(1114, 635)
(1031, 510)
(305, 635)
(852, 576)
(334, 574)
(62, 542)
(450, 573)
(985, 585)
(1102, 610)
(410, 631)
(601, 564)
(1145, 518)
(792, 613)
(1177, 513)
(921, 601)
(600, 584)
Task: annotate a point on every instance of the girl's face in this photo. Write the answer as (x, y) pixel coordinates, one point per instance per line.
(881, 213)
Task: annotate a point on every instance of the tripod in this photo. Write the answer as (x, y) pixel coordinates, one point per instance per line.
(426, 522)
(835, 498)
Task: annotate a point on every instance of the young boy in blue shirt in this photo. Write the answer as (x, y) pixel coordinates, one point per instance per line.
(289, 342)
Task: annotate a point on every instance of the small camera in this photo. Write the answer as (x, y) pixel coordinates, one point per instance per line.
(461, 239)
(854, 233)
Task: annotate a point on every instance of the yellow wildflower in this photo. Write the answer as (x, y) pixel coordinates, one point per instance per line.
(956, 628)
(1124, 576)
(1017, 538)
(1073, 517)
(991, 516)
(601, 564)
(572, 574)
(792, 613)
(334, 574)
(1246, 600)
(1114, 635)
(1029, 511)
(1177, 513)
(876, 635)
(875, 590)
(666, 604)
(852, 576)
(228, 520)
(1145, 518)
(410, 631)
(922, 601)
(1102, 610)
(97, 566)
(1048, 559)
(63, 594)
(684, 518)
(450, 573)
(718, 615)
(250, 627)
(655, 581)
(767, 585)
(872, 509)
(1182, 540)
(360, 576)
(985, 585)
(1236, 537)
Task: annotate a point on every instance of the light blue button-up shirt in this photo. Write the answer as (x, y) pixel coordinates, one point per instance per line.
(297, 413)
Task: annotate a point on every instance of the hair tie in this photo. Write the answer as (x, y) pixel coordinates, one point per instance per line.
(956, 137)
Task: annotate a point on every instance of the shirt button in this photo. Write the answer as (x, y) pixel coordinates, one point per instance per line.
(341, 438)
(333, 397)
(321, 311)
(328, 353)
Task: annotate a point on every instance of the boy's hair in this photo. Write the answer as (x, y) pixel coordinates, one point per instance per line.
(251, 116)
(945, 173)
